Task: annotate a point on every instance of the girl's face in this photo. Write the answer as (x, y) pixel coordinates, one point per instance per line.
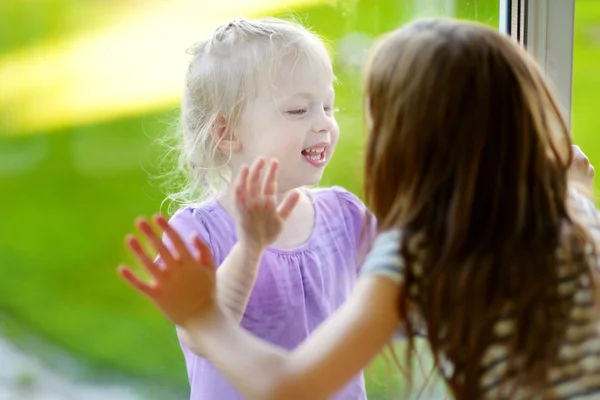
(291, 119)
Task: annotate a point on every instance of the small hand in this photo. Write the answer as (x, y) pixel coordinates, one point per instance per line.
(259, 220)
(183, 286)
(581, 170)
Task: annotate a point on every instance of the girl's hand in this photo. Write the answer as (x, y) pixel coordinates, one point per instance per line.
(183, 285)
(259, 219)
(581, 170)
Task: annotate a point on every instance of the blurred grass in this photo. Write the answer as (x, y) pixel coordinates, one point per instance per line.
(70, 196)
(50, 20)
(586, 79)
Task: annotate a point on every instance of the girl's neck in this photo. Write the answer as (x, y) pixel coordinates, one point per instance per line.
(299, 226)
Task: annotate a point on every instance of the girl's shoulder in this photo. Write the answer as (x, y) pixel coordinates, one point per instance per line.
(203, 216)
(339, 205)
(336, 198)
(584, 210)
(582, 204)
(210, 222)
(336, 194)
(385, 257)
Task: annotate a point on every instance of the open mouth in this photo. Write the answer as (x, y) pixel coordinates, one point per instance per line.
(314, 153)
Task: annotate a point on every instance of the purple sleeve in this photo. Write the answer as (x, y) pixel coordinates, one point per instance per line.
(186, 222)
(361, 222)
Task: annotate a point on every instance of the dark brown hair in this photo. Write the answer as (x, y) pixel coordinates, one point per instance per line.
(468, 151)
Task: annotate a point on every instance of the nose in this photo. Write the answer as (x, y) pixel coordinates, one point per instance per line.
(324, 124)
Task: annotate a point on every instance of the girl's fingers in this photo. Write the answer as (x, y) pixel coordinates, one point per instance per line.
(174, 236)
(142, 256)
(204, 255)
(240, 188)
(253, 183)
(242, 179)
(240, 197)
(288, 204)
(156, 242)
(269, 206)
(135, 282)
(270, 181)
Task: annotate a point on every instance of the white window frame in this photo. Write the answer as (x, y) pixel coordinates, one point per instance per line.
(549, 35)
(504, 16)
(511, 18)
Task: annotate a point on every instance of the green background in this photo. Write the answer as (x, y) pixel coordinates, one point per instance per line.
(65, 211)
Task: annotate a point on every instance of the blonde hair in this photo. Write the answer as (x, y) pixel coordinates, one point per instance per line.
(222, 79)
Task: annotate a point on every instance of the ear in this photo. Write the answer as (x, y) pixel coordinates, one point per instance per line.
(225, 138)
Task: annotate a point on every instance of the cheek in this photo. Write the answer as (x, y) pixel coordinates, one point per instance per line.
(262, 141)
(290, 139)
(334, 135)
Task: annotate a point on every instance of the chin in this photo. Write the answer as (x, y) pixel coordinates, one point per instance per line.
(313, 180)
(301, 176)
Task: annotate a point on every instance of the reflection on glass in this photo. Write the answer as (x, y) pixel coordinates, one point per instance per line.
(86, 88)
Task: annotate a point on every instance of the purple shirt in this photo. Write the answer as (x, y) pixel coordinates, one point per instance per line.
(295, 289)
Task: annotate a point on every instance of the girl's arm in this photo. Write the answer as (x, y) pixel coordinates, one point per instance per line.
(258, 222)
(335, 353)
(185, 291)
(235, 280)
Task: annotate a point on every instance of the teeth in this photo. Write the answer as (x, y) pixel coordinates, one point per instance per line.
(315, 150)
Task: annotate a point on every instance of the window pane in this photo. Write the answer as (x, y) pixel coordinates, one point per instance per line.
(86, 88)
(586, 78)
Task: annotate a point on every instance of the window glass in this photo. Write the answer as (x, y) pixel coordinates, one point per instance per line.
(86, 88)
(586, 78)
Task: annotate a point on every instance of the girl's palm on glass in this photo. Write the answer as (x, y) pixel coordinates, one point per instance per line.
(183, 283)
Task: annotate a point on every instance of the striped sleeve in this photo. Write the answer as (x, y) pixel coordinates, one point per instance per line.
(584, 206)
(384, 258)
(585, 212)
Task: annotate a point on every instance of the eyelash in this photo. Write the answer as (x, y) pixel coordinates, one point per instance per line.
(302, 111)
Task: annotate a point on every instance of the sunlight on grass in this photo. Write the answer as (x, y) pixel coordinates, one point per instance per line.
(131, 67)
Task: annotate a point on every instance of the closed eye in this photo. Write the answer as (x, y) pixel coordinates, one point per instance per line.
(300, 111)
